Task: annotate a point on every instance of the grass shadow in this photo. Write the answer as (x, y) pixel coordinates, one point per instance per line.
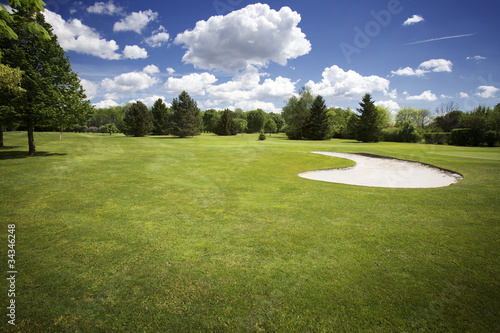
(9, 154)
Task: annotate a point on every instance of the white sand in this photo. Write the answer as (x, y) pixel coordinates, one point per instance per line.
(384, 172)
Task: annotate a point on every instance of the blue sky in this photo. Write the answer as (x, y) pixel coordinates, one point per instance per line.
(238, 53)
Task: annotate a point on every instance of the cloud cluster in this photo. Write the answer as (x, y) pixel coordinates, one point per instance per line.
(433, 65)
(487, 91)
(413, 20)
(339, 84)
(136, 21)
(131, 82)
(102, 8)
(158, 38)
(254, 35)
(425, 96)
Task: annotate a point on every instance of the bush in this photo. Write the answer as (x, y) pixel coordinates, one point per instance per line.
(391, 134)
(437, 138)
(491, 138)
(461, 137)
(405, 133)
(262, 136)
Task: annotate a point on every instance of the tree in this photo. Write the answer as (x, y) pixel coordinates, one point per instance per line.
(29, 6)
(109, 128)
(210, 119)
(53, 91)
(278, 120)
(369, 122)
(256, 120)
(185, 114)
(449, 121)
(226, 126)
(10, 87)
(316, 126)
(160, 117)
(296, 112)
(138, 120)
(416, 117)
(270, 126)
(240, 125)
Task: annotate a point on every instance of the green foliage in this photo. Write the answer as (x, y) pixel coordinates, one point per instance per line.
(240, 125)
(184, 117)
(109, 128)
(296, 112)
(210, 120)
(114, 114)
(437, 138)
(369, 122)
(449, 121)
(278, 120)
(30, 7)
(53, 94)
(491, 138)
(138, 120)
(225, 125)
(160, 118)
(316, 125)
(270, 126)
(256, 120)
(262, 136)
(405, 133)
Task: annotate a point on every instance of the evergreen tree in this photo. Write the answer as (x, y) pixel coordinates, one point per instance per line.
(226, 125)
(138, 120)
(53, 91)
(160, 118)
(316, 126)
(369, 122)
(185, 114)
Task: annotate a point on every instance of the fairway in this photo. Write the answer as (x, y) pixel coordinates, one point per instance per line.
(220, 234)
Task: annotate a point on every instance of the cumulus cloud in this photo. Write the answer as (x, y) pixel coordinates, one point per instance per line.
(254, 35)
(170, 70)
(158, 38)
(477, 58)
(76, 36)
(433, 65)
(487, 91)
(391, 105)
(151, 69)
(425, 96)
(195, 84)
(338, 83)
(90, 88)
(135, 52)
(102, 8)
(136, 21)
(129, 82)
(106, 104)
(413, 20)
(464, 95)
(151, 100)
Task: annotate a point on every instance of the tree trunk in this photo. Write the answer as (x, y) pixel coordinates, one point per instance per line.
(31, 139)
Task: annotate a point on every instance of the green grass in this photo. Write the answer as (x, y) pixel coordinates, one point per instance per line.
(213, 234)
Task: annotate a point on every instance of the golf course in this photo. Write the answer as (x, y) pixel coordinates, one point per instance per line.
(220, 234)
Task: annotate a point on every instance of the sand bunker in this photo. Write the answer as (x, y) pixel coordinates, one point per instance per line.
(378, 171)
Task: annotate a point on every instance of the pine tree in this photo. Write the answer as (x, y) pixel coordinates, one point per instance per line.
(369, 122)
(225, 125)
(138, 120)
(184, 118)
(160, 115)
(316, 124)
(53, 94)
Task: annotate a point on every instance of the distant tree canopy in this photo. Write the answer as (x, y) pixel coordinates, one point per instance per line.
(296, 112)
(256, 120)
(53, 95)
(185, 115)
(225, 125)
(138, 120)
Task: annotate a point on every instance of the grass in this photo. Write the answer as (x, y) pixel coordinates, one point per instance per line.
(213, 234)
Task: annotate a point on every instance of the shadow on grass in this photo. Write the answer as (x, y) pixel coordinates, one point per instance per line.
(7, 153)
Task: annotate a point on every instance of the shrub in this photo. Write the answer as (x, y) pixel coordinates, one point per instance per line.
(491, 138)
(437, 138)
(461, 137)
(406, 133)
(262, 136)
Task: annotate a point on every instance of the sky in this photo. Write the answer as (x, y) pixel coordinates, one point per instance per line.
(248, 55)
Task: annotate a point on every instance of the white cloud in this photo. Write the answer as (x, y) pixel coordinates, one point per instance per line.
(75, 36)
(433, 65)
(337, 83)
(425, 96)
(102, 8)
(158, 38)
(129, 82)
(106, 104)
(477, 58)
(136, 21)
(170, 70)
(194, 84)
(90, 88)
(391, 105)
(464, 95)
(151, 69)
(254, 35)
(392, 94)
(150, 101)
(135, 52)
(413, 20)
(487, 91)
